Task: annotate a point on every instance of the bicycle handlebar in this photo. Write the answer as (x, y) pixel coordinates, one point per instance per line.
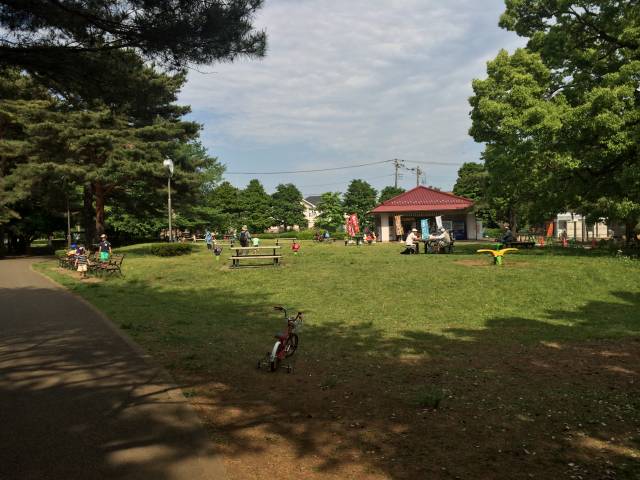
(282, 309)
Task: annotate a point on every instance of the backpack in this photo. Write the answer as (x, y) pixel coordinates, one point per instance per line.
(244, 236)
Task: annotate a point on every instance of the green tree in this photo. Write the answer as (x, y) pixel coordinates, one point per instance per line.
(86, 46)
(139, 213)
(225, 200)
(360, 198)
(331, 215)
(107, 152)
(286, 204)
(255, 204)
(561, 118)
(387, 193)
(472, 183)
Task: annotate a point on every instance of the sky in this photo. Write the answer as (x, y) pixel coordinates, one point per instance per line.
(348, 83)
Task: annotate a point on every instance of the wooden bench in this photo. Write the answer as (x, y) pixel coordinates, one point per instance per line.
(243, 253)
(517, 244)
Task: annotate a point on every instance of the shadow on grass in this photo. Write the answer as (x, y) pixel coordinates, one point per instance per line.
(519, 398)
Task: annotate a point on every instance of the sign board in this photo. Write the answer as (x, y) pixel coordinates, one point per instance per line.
(439, 222)
(398, 225)
(424, 226)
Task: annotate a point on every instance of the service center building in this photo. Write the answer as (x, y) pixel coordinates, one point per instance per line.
(397, 216)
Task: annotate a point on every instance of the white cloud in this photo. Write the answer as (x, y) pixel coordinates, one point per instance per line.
(357, 80)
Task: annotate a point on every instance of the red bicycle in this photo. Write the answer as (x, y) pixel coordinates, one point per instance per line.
(286, 343)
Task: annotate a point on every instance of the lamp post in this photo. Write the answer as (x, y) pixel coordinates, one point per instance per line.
(169, 164)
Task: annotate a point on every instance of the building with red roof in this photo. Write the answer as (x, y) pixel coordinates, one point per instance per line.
(398, 215)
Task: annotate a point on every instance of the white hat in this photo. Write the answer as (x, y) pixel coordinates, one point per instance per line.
(414, 229)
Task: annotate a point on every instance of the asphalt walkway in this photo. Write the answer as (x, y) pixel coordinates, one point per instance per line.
(77, 401)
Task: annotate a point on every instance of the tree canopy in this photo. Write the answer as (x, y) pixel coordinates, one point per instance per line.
(389, 192)
(360, 198)
(331, 210)
(79, 44)
(287, 209)
(561, 118)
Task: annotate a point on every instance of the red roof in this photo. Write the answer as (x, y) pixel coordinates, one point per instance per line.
(422, 199)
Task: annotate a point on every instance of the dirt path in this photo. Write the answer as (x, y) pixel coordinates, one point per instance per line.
(79, 401)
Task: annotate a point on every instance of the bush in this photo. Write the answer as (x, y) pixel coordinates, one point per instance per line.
(170, 249)
(493, 232)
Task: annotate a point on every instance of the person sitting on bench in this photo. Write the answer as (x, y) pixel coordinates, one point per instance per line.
(507, 237)
(411, 242)
(439, 241)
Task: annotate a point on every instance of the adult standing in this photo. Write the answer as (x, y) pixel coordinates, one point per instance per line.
(104, 248)
(208, 238)
(245, 236)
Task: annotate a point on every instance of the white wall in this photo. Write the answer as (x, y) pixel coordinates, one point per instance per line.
(385, 230)
(471, 227)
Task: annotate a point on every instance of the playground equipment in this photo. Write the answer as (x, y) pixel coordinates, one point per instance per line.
(498, 255)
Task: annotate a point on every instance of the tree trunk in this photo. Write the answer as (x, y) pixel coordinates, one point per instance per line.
(629, 232)
(99, 193)
(88, 222)
(513, 220)
(2, 249)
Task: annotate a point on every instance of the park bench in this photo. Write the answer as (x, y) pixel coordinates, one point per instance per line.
(255, 253)
(523, 240)
(518, 244)
(438, 249)
(111, 267)
(294, 239)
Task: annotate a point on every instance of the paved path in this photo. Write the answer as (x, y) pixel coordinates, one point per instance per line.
(77, 401)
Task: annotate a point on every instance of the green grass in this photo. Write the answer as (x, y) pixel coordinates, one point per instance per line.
(368, 300)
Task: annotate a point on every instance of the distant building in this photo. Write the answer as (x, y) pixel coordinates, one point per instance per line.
(311, 211)
(576, 227)
(397, 216)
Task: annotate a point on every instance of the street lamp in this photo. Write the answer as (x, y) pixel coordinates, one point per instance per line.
(169, 164)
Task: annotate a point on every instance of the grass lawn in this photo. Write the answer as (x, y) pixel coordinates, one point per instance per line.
(428, 366)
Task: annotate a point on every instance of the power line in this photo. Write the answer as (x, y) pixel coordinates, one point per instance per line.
(343, 182)
(434, 163)
(309, 171)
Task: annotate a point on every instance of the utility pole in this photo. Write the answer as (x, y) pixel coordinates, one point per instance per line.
(397, 164)
(418, 173)
(169, 164)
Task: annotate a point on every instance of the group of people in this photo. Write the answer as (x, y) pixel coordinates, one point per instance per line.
(321, 237)
(245, 238)
(79, 255)
(434, 242)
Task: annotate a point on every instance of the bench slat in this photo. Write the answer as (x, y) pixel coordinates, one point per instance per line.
(254, 257)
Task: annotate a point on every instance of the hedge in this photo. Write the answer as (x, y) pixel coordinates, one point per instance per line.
(170, 249)
(301, 235)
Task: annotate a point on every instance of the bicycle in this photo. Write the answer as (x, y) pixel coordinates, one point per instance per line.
(286, 343)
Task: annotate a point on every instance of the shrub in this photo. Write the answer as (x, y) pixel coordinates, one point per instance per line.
(493, 232)
(429, 397)
(170, 249)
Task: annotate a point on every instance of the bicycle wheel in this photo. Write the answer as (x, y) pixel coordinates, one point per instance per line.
(291, 345)
(274, 361)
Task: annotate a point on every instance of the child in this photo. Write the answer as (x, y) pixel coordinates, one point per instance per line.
(255, 241)
(295, 246)
(82, 261)
(217, 251)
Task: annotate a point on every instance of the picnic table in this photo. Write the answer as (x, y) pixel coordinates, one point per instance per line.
(523, 240)
(256, 253)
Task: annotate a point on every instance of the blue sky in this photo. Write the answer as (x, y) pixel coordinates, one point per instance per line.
(351, 82)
